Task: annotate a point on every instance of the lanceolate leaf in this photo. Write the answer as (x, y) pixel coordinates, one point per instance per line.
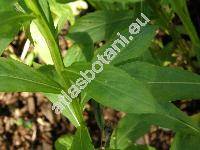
(115, 88)
(10, 24)
(17, 77)
(100, 25)
(134, 49)
(166, 84)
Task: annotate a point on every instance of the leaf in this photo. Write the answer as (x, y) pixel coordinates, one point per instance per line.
(129, 129)
(133, 126)
(40, 46)
(105, 23)
(82, 140)
(58, 102)
(134, 49)
(68, 111)
(64, 142)
(113, 87)
(166, 84)
(81, 51)
(17, 77)
(46, 12)
(62, 13)
(7, 5)
(98, 113)
(184, 141)
(10, 23)
(112, 4)
(64, 1)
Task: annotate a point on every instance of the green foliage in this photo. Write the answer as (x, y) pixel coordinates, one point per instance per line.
(81, 51)
(165, 83)
(102, 22)
(8, 31)
(16, 76)
(82, 140)
(64, 142)
(185, 142)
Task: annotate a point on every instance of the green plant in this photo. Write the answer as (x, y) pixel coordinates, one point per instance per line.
(131, 83)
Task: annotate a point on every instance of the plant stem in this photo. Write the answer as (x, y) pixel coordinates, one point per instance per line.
(184, 15)
(48, 34)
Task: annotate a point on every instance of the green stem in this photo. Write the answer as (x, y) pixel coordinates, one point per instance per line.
(48, 34)
(184, 15)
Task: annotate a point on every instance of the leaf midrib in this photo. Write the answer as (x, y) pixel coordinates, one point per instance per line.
(32, 81)
(101, 82)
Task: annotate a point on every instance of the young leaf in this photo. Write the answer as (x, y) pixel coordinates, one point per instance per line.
(104, 23)
(17, 77)
(62, 13)
(166, 84)
(82, 140)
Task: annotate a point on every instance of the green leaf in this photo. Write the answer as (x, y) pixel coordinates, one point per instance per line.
(134, 49)
(98, 113)
(64, 1)
(46, 12)
(17, 77)
(81, 51)
(112, 4)
(166, 84)
(133, 126)
(113, 87)
(184, 141)
(68, 111)
(62, 13)
(40, 46)
(105, 23)
(7, 5)
(10, 24)
(82, 140)
(129, 129)
(64, 142)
